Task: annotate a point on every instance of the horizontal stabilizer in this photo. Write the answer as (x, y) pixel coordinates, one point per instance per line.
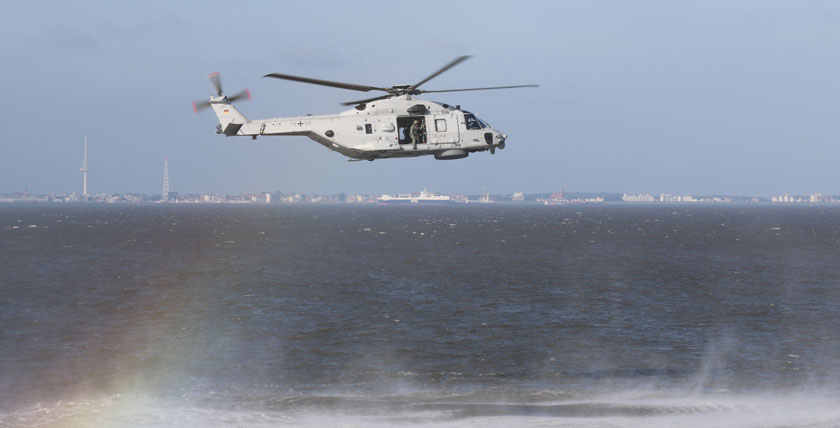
(231, 129)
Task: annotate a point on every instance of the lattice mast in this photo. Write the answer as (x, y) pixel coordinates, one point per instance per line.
(84, 170)
(165, 194)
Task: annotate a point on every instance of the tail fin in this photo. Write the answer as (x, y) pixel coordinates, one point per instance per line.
(230, 119)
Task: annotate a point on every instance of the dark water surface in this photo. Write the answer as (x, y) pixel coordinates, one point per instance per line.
(608, 315)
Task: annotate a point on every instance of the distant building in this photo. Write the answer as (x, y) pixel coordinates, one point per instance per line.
(261, 197)
(459, 198)
(667, 197)
(642, 197)
(786, 198)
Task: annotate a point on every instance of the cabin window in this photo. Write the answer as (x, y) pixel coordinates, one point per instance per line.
(368, 128)
(471, 121)
(440, 125)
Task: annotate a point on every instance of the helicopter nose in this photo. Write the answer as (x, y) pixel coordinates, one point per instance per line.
(501, 140)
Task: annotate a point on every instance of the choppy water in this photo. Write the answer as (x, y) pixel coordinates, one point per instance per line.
(580, 316)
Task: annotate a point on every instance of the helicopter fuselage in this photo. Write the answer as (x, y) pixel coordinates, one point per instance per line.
(376, 130)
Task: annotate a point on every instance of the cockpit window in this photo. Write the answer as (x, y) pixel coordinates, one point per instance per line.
(483, 123)
(471, 121)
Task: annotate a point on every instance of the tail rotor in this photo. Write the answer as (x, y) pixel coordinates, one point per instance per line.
(220, 97)
(214, 80)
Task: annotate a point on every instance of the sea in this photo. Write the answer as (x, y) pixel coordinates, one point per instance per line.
(492, 315)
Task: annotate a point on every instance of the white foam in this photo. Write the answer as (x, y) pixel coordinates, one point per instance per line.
(650, 410)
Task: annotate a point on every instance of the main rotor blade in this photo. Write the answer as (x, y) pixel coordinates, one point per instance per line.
(352, 103)
(351, 86)
(214, 80)
(451, 64)
(242, 94)
(480, 89)
(200, 105)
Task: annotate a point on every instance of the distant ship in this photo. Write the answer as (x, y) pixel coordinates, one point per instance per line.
(424, 198)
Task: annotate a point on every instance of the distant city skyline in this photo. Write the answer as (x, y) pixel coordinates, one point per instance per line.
(549, 198)
(627, 197)
(737, 97)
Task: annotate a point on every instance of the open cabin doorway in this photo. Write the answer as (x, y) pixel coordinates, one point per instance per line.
(404, 128)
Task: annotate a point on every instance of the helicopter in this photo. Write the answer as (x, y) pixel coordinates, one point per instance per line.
(377, 127)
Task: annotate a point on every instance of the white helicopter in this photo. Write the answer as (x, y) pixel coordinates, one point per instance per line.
(377, 127)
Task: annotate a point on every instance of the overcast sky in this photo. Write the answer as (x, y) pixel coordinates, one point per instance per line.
(688, 97)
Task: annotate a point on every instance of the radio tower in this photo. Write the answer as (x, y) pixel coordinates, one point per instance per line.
(84, 170)
(165, 195)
